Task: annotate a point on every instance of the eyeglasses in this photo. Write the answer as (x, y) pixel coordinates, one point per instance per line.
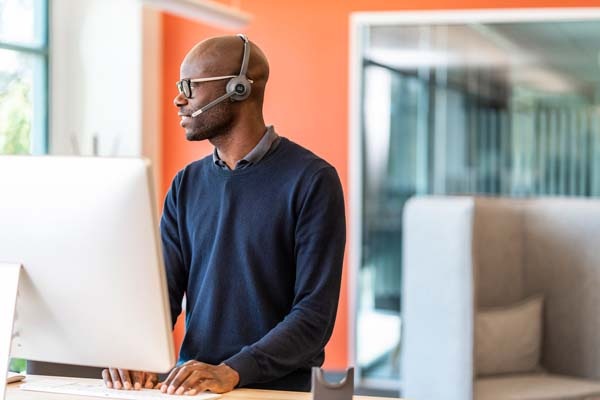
(185, 85)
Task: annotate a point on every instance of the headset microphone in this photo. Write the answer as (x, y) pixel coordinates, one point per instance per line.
(238, 88)
(212, 104)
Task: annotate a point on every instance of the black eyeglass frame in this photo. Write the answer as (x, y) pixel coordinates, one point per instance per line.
(185, 85)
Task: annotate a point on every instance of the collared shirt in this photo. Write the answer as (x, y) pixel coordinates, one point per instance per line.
(267, 143)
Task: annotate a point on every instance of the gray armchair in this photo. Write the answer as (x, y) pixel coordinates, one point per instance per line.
(464, 253)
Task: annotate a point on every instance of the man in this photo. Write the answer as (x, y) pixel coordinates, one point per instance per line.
(253, 235)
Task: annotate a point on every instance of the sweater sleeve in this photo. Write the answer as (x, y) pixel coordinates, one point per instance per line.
(176, 271)
(320, 238)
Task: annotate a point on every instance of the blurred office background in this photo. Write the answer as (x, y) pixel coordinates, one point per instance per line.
(488, 108)
(399, 106)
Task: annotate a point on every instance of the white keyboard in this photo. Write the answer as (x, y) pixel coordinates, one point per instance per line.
(67, 386)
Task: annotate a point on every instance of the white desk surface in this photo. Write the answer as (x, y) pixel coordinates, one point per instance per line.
(13, 393)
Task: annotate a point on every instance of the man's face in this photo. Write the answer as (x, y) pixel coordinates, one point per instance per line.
(213, 122)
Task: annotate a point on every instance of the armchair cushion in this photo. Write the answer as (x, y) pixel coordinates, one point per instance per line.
(536, 387)
(508, 339)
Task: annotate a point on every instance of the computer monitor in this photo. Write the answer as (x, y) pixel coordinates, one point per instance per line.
(93, 289)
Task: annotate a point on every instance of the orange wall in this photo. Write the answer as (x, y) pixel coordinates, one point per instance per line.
(307, 97)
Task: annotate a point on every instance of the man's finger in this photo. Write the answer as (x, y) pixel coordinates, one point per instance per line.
(106, 378)
(187, 384)
(202, 386)
(151, 381)
(125, 378)
(137, 379)
(167, 382)
(116, 380)
(182, 375)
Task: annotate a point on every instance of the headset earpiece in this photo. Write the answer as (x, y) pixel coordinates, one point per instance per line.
(240, 85)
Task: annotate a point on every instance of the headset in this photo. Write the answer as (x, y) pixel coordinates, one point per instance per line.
(238, 88)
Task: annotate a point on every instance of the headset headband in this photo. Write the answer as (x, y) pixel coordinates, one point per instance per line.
(244, 68)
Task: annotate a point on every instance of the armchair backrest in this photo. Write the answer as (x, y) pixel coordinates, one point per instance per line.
(437, 299)
(562, 259)
(498, 251)
(549, 246)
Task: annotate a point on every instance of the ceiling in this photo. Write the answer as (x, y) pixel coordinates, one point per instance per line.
(553, 56)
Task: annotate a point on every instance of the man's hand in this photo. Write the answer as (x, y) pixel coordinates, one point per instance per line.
(124, 379)
(195, 377)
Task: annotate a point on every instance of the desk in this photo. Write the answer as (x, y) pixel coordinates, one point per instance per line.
(13, 393)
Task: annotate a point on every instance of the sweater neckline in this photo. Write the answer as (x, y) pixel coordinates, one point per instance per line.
(275, 154)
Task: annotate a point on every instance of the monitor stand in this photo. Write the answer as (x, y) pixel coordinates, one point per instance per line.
(9, 283)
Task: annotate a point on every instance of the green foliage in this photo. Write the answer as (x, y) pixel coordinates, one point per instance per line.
(15, 116)
(17, 365)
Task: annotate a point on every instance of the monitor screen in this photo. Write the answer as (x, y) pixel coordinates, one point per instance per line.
(93, 287)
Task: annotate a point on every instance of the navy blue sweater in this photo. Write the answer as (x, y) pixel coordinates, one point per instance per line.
(258, 253)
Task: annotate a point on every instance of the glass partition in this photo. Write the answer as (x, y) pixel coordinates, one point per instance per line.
(509, 109)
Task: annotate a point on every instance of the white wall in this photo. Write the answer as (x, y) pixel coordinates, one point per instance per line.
(105, 78)
(95, 75)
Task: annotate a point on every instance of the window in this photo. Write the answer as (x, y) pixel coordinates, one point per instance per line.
(23, 76)
(23, 83)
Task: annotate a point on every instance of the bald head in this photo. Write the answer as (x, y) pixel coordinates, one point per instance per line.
(223, 55)
(208, 111)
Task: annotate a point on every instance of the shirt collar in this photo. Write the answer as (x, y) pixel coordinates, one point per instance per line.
(255, 155)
